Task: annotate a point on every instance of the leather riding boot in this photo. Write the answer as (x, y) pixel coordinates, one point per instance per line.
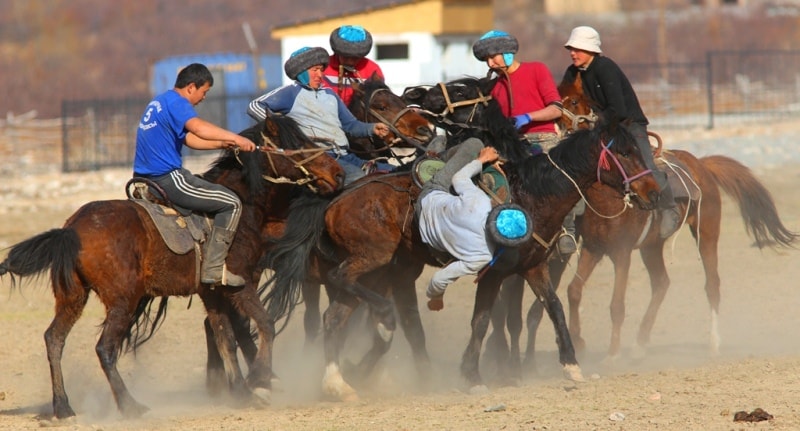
(670, 216)
(567, 243)
(670, 222)
(213, 270)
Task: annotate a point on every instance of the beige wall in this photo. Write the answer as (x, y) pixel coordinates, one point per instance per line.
(430, 16)
(559, 7)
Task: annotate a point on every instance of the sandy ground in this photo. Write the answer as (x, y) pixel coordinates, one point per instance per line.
(676, 386)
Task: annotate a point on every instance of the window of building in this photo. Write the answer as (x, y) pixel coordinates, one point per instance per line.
(391, 51)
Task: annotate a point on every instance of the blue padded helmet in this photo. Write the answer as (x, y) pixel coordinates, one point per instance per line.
(351, 41)
(509, 225)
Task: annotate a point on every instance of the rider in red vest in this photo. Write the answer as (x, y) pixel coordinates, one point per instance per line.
(348, 64)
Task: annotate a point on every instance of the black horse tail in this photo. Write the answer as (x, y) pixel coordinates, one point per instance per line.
(56, 250)
(756, 205)
(289, 257)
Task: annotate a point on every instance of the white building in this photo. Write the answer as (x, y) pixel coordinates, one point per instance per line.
(415, 42)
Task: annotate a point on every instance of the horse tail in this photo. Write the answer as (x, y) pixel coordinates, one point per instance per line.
(289, 257)
(143, 325)
(56, 250)
(756, 205)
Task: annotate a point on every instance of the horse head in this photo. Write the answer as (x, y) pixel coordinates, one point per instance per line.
(576, 112)
(619, 162)
(373, 101)
(285, 155)
(465, 108)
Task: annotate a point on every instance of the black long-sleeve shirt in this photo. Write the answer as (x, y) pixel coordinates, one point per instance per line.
(606, 84)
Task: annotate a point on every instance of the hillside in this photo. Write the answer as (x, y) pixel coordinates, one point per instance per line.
(87, 49)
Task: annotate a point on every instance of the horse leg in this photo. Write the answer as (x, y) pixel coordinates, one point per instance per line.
(311, 316)
(557, 265)
(507, 356)
(496, 343)
(539, 280)
(335, 329)
(653, 258)
(708, 244)
(587, 261)
(69, 306)
(622, 265)
(247, 302)
(481, 314)
(405, 295)
(118, 319)
(222, 365)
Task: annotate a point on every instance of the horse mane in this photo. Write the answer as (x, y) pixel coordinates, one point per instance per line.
(251, 163)
(368, 86)
(494, 128)
(574, 154)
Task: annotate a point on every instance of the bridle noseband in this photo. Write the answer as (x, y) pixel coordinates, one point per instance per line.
(270, 149)
(603, 164)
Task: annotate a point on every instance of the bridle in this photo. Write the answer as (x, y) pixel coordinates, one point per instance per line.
(576, 119)
(450, 108)
(604, 164)
(271, 150)
(391, 124)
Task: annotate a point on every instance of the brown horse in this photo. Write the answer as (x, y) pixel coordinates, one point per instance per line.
(88, 255)
(609, 229)
(374, 102)
(371, 227)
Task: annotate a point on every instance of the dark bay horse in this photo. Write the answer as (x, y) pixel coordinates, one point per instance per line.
(609, 229)
(374, 102)
(371, 226)
(89, 255)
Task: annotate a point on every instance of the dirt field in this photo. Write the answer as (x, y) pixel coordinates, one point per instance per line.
(677, 386)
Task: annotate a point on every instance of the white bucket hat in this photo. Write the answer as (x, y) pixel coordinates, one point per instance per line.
(585, 38)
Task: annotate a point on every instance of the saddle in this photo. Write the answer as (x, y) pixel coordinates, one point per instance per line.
(181, 230)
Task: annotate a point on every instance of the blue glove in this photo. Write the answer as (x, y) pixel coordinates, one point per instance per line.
(521, 120)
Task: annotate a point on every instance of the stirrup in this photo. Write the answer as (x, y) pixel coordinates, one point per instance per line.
(567, 244)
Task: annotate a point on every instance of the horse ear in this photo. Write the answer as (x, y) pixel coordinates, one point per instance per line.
(414, 95)
(375, 76)
(487, 84)
(270, 125)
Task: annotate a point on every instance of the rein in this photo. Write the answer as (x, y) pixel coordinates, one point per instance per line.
(604, 164)
(269, 149)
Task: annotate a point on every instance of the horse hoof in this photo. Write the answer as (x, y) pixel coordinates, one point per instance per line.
(573, 372)
(638, 352)
(57, 422)
(479, 390)
(385, 333)
(134, 410)
(262, 396)
(333, 385)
